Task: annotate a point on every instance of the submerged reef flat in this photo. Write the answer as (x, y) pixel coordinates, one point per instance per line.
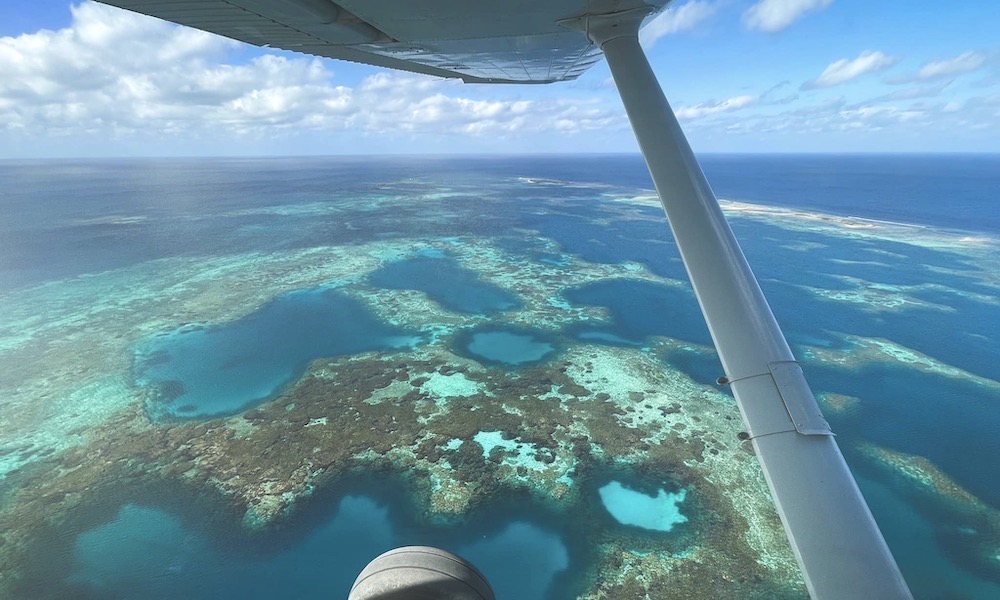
(856, 353)
(837, 403)
(966, 525)
(863, 228)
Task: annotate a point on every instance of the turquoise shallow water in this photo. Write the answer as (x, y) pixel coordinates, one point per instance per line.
(631, 507)
(507, 348)
(112, 230)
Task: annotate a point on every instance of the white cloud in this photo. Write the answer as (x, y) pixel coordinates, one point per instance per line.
(117, 74)
(963, 63)
(771, 97)
(437, 112)
(713, 108)
(882, 125)
(675, 19)
(775, 15)
(944, 69)
(845, 70)
(912, 93)
(880, 118)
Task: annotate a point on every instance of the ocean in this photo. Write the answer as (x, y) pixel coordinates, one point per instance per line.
(245, 378)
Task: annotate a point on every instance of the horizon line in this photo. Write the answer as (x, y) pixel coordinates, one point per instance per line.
(478, 155)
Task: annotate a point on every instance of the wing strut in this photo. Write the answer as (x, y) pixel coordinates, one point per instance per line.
(838, 545)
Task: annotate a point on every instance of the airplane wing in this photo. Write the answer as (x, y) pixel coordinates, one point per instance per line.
(478, 41)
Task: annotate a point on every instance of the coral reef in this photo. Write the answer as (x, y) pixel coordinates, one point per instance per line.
(545, 432)
(462, 433)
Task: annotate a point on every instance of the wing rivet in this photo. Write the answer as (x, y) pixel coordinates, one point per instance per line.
(743, 436)
(722, 380)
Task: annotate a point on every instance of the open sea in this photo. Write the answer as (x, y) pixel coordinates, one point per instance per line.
(246, 378)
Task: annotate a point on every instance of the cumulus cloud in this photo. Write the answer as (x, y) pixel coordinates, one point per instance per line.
(775, 15)
(824, 123)
(835, 124)
(674, 19)
(115, 73)
(415, 104)
(713, 108)
(829, 117)
(845, 70)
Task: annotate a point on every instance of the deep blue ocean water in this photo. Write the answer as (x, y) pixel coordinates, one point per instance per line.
(71, 218)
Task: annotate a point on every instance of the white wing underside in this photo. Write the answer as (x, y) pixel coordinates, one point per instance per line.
(478, 41)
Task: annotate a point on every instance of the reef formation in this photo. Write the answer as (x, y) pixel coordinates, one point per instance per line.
(461, 432)
(515, 377)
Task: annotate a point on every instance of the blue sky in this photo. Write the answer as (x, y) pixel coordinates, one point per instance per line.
(81, 79)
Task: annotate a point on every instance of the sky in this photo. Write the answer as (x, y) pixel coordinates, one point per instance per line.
(80, 79)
